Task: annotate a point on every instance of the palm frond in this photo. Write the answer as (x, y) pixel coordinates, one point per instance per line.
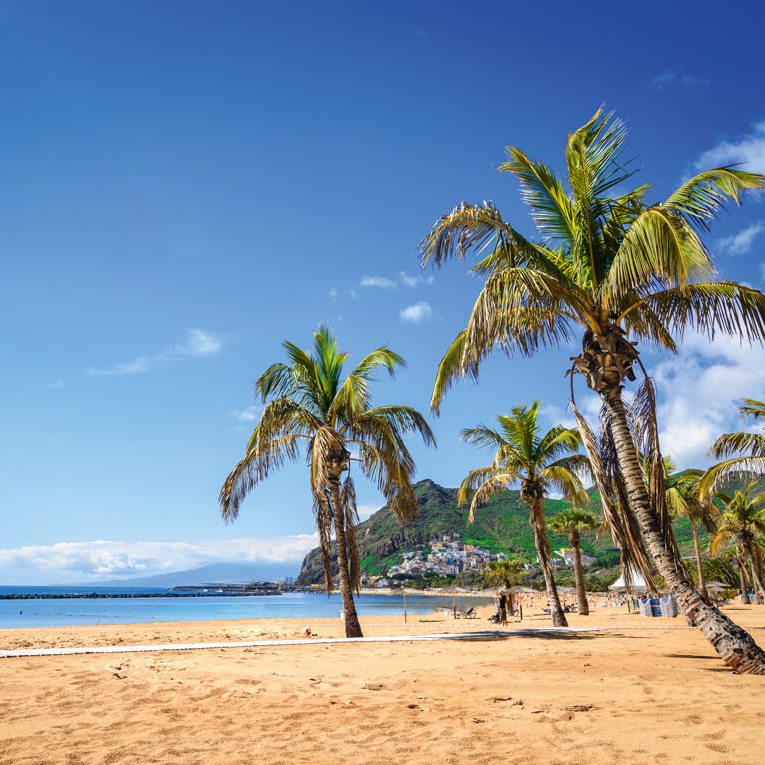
(471, 227)
(401, 419)
(658, 248)
(351, 516)
(323, 516)
(753, 409)
(353, 397)
(730, 443)
(453, 365)
(620, 522)
(550, 206)
(564, 480)
(708, 307)
(700, 198)
(253, 468)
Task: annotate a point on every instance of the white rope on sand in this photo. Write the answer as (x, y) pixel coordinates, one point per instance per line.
(478, 635)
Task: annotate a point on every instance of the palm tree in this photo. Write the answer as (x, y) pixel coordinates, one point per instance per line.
(608, 266)
(311, 403)
(508, 573)
(753, 444)
(536, 461)
(684, 501)
(573, 522)
(742, 522)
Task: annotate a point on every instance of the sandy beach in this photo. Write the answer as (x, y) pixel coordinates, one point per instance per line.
(640, 690)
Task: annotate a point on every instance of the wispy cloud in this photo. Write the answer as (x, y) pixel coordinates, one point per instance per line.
(138, 366)
(748, 150)
(105, 559)
(250, 414)
(670, 77)
(741, 243)
(57, 384)
(414, 281)
(196, 344)
(332, 295)
(377, 281)
(404, 279)
(416, 313)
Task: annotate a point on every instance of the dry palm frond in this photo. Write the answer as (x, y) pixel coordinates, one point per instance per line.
(351, 517)
(323, 513)
(647, 439)
(619, 520)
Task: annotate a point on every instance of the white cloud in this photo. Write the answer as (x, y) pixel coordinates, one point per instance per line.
(250, 414)
(699, 391)
(197, 343)
(106, 559)
(416, 313)
(378, 281)
(57, 384)
(741, 243)
(141, 364)
(414, 281)
(675, 77)
(353, 295)
(749, 150)
(332, 295)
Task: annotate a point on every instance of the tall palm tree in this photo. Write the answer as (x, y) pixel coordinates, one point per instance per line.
(742, 522)
(537, 462)
(608, 266)
(574, 523)
(684, 501)
(311, 404)
(751, 444)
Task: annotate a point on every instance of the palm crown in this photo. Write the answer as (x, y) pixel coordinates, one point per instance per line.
(310, 403)
(606, 260)
(574, 521)
(742, 521)
(540, 462)
(751, 444)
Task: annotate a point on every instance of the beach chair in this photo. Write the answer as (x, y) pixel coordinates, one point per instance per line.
(469, 614)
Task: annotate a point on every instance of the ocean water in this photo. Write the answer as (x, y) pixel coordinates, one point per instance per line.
(76, 610)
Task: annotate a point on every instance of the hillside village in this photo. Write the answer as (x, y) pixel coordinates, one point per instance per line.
(450, 556)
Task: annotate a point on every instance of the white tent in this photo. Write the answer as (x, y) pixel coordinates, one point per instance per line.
(638, 583)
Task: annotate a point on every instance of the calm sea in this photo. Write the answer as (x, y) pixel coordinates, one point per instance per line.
(76, 610)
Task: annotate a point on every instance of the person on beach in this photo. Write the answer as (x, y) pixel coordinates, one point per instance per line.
(503, 609)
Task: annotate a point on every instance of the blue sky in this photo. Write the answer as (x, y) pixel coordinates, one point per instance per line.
(187, 184)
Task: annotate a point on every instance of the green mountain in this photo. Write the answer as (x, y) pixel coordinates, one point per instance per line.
(500, 526)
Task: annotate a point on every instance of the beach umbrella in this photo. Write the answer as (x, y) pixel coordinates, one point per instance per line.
(718, 586)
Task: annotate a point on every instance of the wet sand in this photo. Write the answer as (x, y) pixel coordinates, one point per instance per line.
(630, 693)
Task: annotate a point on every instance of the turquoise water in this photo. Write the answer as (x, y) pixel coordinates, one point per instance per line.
(62, 612)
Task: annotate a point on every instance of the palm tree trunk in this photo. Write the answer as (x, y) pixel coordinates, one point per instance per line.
(744, 584)
(352, 625)
(702, 581)
(581, 596)
(756, 575)
(734, 645)
(544, 553)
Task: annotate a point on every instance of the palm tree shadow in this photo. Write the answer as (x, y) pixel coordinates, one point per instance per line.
(532, 633)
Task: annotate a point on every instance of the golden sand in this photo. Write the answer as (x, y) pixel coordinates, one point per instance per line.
(632, 694)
